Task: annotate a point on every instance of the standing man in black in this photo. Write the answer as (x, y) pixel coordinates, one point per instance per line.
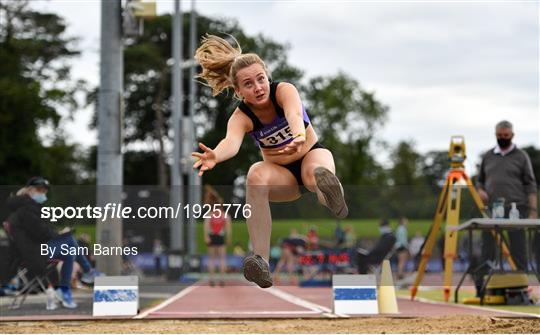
(506, 172)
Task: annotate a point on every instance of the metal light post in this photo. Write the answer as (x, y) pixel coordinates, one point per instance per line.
(176, 196)
(194, 181)
(109, 151)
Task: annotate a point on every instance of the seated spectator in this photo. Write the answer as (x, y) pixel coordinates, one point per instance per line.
(29, 231)
(374, 257)
(312, 239)
(402, 247)
(291, 247)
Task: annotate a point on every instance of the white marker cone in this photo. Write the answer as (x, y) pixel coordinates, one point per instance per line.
(387, 292)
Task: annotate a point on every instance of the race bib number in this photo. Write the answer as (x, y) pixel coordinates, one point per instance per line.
(277, 138)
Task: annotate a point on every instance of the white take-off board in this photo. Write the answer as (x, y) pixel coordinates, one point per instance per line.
(355, 294)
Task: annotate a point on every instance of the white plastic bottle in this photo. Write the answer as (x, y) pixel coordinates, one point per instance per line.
(498, 209)
(51, 298)
(514, 212)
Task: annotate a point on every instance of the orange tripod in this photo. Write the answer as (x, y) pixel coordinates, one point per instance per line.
(449, 205)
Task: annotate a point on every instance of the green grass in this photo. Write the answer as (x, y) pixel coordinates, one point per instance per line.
(368, 228)
(437, 295)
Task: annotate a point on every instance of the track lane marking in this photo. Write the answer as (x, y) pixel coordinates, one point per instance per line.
(498, 311)
(238, 313)
(291, 298)
(303, 303)
(167, 302)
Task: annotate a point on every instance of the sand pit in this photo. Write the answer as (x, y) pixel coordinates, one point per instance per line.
(448, 324)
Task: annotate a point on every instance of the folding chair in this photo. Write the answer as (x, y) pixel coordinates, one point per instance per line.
(29, 282)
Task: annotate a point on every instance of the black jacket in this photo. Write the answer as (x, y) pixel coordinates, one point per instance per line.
(27, 222)
(29, 231)
(382, 248)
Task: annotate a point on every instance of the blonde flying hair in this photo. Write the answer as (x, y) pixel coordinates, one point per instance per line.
(221, 62)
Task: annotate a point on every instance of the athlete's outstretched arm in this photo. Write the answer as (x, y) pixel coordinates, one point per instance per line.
(289, 98)
(227, 148)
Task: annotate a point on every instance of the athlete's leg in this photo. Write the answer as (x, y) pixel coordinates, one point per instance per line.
(222, 263)
(211, 260)
(266, 182)
(313, 159)
(318, 175)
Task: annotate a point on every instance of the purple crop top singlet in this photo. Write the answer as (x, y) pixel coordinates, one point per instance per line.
(277, 133)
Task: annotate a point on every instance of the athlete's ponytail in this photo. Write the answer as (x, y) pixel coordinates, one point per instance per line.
(220, 62)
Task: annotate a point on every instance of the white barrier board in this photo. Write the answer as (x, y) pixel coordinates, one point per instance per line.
(116, 296)
(355, 294)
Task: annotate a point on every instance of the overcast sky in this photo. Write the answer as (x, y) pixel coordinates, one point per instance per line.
(443, 67)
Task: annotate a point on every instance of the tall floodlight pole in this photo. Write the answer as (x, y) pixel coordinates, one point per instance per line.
(176, 197)
(193, 177)
(109, 153)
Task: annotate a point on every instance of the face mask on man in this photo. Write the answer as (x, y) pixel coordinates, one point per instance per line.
(504, 142)
(39, 197)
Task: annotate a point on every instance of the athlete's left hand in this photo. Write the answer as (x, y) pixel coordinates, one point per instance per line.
(294, 146)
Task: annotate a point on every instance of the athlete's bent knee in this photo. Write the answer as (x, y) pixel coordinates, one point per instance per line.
(257, 175)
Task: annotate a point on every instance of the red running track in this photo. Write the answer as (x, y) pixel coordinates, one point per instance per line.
(239, 300)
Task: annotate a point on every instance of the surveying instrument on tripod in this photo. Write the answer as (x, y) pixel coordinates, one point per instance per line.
(448, 206)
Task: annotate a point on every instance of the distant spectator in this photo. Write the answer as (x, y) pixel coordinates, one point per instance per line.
(217, 233)
(312, 239)
(402, 247)
(339, 234)
(291, 247)
(157, 251)
(350, 237)
(415, 247)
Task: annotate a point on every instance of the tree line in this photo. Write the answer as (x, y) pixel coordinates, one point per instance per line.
(38, 92)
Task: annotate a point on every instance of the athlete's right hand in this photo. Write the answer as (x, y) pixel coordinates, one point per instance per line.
(206, 160)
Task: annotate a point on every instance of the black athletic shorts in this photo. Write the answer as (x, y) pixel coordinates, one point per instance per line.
(216, 240)
(296, 167)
